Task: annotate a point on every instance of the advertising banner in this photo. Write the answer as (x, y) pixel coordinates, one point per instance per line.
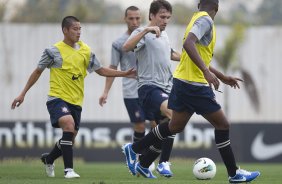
(251, 142)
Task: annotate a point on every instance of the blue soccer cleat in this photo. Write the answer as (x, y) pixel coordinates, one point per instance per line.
(144, 171)
(164, 169)
(130, 157)
(243, 176)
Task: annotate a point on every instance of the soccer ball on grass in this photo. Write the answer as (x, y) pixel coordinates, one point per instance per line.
(204, 169)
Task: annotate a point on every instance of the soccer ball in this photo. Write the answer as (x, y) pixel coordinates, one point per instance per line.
(204, 169)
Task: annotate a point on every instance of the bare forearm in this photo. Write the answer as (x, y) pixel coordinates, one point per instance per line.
(130, 44)
(108, 72)
(217, 73)
(109, 80)
(32, 80)
(108, 84)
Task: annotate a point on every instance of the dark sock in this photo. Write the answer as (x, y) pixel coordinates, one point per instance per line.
(66, 147)
(138, 136)
(160, 132)
(223, 144)
(55, 153)
(151, 154)
(167, 145)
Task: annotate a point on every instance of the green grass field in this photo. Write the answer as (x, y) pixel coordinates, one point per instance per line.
(32, 172)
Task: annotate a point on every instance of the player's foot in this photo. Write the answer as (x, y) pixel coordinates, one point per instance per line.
(130, 157)
(152, 167)
(164, 169)
(144, 171)
(243, 176)
(69, 173)
(49, 168)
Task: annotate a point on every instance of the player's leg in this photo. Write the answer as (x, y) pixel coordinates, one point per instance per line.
(163, 167)
(159, 133)
(55, 153)
(76, 117)
(219, 121)
(55, 109)
(62, 116)
(156, 104)
(131, 156)
(162, 130)
(137, 117)
(66, 143)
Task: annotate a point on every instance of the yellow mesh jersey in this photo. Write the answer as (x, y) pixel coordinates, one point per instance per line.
(67, 82)
(186, 69)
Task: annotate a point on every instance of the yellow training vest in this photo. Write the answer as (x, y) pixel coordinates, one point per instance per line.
(186, 69)
(67, 82)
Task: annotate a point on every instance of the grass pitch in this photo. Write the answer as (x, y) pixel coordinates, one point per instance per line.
(32, 172)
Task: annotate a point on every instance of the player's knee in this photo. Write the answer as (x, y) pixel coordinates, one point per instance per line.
(68, 127)
(223, 126)
(174, 129)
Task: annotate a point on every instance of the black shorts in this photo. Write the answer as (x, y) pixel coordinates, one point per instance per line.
(58, 108)
(191, 98)
(151, 98)
(134, 109)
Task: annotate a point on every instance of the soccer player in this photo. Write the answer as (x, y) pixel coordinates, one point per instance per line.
(192, 92)
(152, 49)
(68, 61)
(127, 60)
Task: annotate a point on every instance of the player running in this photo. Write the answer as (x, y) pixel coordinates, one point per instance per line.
(192, 92)
(68, 61)
(152, 49)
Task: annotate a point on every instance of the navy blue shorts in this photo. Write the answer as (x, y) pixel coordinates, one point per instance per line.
(58, 108)
(191, 98)
(151, 97)
(134, 109)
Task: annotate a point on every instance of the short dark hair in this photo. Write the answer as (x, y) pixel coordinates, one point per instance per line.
(68, 20)
(208, 2)
(156, 5)
(132, 8)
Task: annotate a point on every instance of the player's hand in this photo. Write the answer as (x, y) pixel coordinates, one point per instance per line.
(131, 73)
(155, 30)
(212, 79)
(17, 102)
(103, 99)
(232, 81)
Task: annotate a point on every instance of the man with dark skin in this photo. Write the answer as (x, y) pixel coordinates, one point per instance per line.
(192, 92)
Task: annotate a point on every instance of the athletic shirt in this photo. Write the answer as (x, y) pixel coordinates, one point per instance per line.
(126, 60)
(153, 60)
(202, 26)
(68, 68)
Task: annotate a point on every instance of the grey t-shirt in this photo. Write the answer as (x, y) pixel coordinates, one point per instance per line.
(202, 29)
(126, 60)
(153, 60)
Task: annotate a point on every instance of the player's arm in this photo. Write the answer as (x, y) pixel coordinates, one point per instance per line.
(95, 65)
(31, 81)
(108, 72)
(190, 47)
(175, 56)
(228, 80)
(108, 85)
(132, 42)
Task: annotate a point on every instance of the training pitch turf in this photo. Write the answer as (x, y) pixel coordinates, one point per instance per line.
(32, 172)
